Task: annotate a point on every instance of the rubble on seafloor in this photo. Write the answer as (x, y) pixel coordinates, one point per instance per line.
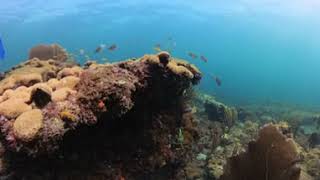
(130, 120)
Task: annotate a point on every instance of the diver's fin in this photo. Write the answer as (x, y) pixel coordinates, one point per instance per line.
(2, 52)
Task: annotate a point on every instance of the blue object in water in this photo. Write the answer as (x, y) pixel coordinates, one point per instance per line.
(2, 52)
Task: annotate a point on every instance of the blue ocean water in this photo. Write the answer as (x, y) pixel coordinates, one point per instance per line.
(263, 50)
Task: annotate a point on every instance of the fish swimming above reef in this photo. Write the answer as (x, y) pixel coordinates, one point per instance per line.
(98, 49)
(192, 55)
(157, 48)
(204, 59)
(217, 80)
(112, 47)
(2, 52)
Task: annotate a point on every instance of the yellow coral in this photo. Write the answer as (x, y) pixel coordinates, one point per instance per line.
(152, 59)
(28, 124)
(67, 116)
(191, 67)
(179, 69)
(28, 73)
(12, 108)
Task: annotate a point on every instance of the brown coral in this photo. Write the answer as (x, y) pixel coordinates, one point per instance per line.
(28, 73)
(12, 108)
(41, 95)
(46, 52)
(27, 125)
(272, 156)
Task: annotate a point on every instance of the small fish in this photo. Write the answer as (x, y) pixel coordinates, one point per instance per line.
(99, 49)
(218, 80)
(157, 48)
(112, 47)
(2, 52)
(204, 59)
(192, 55)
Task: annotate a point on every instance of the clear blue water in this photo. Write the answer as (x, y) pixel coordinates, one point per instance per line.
(263, 50)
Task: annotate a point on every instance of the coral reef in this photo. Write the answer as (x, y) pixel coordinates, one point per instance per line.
(231, 143)
(140, 119)
(133, 116)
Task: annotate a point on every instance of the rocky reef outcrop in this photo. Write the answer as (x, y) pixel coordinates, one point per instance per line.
(123, 120)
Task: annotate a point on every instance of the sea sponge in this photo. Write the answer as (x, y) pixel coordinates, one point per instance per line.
(12, 108)
(164, 57)
(41, 94)
(27, 125)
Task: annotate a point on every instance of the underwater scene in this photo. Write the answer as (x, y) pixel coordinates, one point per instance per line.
(160, 90)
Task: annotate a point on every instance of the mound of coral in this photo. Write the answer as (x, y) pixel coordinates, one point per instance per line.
(121, 120)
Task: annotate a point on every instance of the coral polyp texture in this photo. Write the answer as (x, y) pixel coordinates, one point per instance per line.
(128, 113)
